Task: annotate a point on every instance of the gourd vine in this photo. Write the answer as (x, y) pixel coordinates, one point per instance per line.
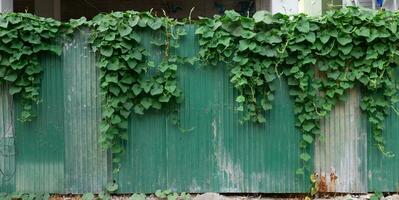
(250, 48)
(23, 37)
(321, 58)
(129, 79)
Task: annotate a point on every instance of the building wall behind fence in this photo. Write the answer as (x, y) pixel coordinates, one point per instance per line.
(59, 152)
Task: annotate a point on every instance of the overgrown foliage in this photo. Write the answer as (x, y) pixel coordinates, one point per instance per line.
(159, 194)
(23, 37)
(24, 196)
(321, 58)
(129, 79)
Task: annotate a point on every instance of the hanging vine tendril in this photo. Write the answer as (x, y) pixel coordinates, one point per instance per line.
(321, 58)
(129, 79)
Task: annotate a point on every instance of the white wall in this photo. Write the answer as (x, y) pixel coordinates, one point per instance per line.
(6, 5)
(285, 6)
(311, 7)
(391, 4)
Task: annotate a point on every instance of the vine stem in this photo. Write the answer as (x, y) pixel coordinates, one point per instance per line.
(315, 109)
(395, 110)
(291, 36)
(189, 16)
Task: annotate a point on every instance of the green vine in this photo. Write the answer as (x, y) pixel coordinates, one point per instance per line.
(24, 196)
(250, 48)
(129, 79)
(23, 37)
(321, 58)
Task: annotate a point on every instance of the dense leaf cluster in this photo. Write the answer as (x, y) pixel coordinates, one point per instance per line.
(321, 58)
(23, 37)
(129, 79)
(24, 196)
(251, 48)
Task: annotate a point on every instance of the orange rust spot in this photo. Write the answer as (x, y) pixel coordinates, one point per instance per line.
(323, 184)
(333, 178)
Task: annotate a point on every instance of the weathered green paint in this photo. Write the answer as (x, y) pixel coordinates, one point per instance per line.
(40, 143)
(383, 172)
(86, 165)
(341, 157)
(59, 153)
(7, 146)
(217, 153)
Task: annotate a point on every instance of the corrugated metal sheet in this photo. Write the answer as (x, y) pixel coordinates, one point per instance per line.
(341, 158)
(383, 172)
(7, 147)
(40, 143)
(58, 152)
(218, 154)
(86, 163)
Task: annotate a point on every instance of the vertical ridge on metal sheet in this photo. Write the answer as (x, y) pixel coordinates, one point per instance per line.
(383, 172)
(7, 147)
(341, 159)
(144, 162)
(58, 151)
(40, 143)
(217, 153)
(191, 156)
(86, 168)
(262, 157)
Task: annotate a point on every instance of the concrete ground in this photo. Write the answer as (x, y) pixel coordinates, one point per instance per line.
(216, 196)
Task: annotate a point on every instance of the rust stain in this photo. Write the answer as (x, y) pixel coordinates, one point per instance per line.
(333, 178)
(323, 184)
(327, 184)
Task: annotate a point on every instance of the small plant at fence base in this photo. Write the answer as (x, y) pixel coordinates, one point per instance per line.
(24, 196)
(159, 194)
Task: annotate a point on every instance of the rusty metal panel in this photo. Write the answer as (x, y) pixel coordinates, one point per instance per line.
(7, 147)
(86, 165)
(341, 157)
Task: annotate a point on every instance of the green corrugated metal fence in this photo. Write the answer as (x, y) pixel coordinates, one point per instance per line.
(59, 152)
(218, 154)
(7, 139)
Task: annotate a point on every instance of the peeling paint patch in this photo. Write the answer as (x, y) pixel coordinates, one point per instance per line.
(340, 158)
(214, 128)
(194, 185)
(231, 172)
